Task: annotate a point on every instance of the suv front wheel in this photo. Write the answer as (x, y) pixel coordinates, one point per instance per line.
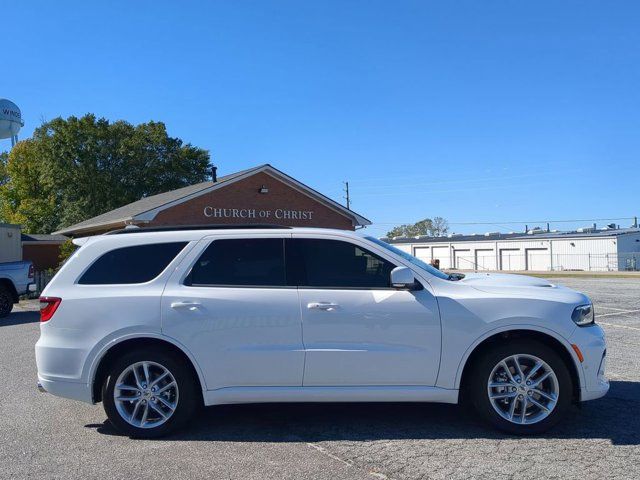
(521, 387)
(149, 393)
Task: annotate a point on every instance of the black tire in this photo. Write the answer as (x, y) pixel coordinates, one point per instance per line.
(189, 398)
(6, 301)
(477, 391)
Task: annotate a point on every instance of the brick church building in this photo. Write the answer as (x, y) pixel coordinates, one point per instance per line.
(259, 195)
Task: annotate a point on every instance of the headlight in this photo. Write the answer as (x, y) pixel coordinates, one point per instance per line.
(583, 315)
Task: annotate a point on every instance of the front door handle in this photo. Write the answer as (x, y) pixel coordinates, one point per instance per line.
(327, 306)
(191, 306)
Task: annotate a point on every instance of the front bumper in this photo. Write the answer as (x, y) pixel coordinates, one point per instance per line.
(592, 343)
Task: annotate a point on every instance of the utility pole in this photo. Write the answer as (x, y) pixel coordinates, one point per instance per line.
(347, 197)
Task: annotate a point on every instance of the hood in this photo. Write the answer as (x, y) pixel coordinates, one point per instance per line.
(480, 280)
(522, 286)
(512, 285)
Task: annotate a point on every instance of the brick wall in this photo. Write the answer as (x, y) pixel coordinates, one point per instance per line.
(43, 256)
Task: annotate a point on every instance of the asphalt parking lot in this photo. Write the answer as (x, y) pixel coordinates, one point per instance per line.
(46, 437)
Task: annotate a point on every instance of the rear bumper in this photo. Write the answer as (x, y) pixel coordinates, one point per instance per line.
(31, 288)
(61, 388)
(60, 359)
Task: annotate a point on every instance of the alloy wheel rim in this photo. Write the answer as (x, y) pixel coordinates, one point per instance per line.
(523, 389)
(146, 394)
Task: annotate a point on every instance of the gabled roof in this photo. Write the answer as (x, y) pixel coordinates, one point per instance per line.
(147, 208)
(43, 237)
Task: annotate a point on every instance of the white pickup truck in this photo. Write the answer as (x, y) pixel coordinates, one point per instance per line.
(16, 278)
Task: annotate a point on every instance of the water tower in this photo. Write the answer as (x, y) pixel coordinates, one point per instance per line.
(10, 120)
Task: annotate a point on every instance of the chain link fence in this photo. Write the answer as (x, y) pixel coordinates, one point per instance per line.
(545, 262)
(589, 262)
(41, 279)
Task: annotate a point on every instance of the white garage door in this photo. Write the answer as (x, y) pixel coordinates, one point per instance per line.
(463, 260)
(442, 254)
(485, 259)
(423, 253)
(538, 259)
(511, 259)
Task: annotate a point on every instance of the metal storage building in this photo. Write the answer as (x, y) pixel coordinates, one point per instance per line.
(10, 243)
(582, 250)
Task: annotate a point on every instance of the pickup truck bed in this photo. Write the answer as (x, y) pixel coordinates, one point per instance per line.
(16, 278)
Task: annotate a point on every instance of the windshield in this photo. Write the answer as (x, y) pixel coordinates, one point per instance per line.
(416, 261)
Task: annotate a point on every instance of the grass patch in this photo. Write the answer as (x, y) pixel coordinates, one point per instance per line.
(633, 275)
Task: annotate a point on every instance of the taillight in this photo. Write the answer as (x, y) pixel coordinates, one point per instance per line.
(31, 272)
(48, 306)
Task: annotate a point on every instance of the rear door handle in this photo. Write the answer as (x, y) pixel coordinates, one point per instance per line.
(327, 306)
(191, 306)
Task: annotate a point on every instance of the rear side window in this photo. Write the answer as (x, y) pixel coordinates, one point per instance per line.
(136, 264)
(336, 264)
(240, 262)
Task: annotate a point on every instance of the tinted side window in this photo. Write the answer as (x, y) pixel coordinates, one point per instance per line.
(242, 262)
(136, 264)
(333, 263)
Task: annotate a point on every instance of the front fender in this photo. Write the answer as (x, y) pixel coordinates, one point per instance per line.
(506, 328)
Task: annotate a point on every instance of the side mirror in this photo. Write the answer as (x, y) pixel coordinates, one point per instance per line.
(402, 278)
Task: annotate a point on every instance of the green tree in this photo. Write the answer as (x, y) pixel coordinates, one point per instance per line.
(24, 196)
(4, 177)
(76, 168)
(4, 157)
(66, 250)
(433, 228)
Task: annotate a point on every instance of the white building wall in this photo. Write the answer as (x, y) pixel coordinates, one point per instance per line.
(591, 254)
(533, 254)
(405, 247)
(629, 252)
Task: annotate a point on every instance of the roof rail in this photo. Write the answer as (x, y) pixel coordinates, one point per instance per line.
(173, 228)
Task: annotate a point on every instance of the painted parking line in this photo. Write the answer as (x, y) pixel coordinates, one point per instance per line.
(619, 326)
(614, 308)
(617, 313)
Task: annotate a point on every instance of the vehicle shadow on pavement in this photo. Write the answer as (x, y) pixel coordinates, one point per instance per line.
(613, 417)
(19, 318)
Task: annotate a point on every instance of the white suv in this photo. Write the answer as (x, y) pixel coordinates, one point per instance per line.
(156, 323)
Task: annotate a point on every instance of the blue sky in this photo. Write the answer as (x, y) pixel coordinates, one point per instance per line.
(475, 111)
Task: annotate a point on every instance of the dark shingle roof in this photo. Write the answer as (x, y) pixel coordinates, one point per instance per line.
(42, 237)
(127, 212)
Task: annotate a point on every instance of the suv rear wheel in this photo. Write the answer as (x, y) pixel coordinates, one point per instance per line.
(149, 393)
(522, 387)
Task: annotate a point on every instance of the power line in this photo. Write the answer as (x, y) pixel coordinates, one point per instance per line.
(495, 223)
(465, 180)
(493, 173)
